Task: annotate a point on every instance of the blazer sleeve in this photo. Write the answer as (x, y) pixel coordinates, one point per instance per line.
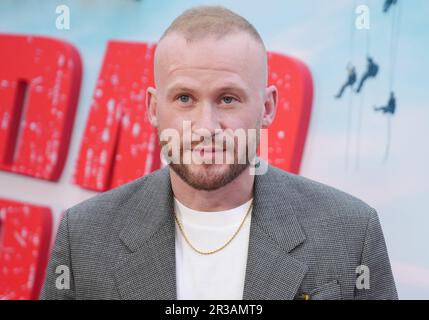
(59, 282)
(376, 259)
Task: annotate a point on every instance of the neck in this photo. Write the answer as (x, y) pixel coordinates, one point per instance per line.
(232, 195)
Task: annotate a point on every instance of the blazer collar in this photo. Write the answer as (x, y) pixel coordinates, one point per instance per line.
(149, 272)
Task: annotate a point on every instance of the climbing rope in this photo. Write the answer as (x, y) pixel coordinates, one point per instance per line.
(351, 95)
(394, 39)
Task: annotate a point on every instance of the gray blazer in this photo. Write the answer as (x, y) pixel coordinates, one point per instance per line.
(305, 237)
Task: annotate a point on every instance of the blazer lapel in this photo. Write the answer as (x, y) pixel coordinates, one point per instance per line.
(271, 271)
(149, 272)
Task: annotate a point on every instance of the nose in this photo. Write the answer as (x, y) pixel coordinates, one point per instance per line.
(206, 120)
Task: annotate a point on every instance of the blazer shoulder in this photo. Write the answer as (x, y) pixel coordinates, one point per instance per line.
(316, 198)
(118, 199)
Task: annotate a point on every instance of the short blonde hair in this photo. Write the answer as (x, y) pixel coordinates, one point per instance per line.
(202, 21)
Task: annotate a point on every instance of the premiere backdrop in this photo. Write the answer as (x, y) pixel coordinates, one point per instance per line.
(377, 156)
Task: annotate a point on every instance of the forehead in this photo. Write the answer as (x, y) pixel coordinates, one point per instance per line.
(236, 56)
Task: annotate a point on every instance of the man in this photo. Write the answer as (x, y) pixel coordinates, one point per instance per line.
(217, 231)
(351, 79)
(391, 105)
(387, 4)
(371, 72)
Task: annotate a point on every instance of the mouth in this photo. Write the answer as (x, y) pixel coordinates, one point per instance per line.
(211, 152)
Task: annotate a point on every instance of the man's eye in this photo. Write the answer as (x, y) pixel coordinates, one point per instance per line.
(184, 98)
(228, 99)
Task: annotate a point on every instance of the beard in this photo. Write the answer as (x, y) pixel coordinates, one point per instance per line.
(210, 177)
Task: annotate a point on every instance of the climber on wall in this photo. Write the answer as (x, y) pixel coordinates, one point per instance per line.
(371, 72)
(388, 4)
(350, 80)
(391, 105)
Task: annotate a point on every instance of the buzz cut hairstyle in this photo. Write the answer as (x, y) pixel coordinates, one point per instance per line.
(217, 21)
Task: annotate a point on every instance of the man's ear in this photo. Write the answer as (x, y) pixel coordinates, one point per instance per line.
(270, 106)
(151, 106)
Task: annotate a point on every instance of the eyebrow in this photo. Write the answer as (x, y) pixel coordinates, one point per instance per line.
(228, 87)
(178, 88)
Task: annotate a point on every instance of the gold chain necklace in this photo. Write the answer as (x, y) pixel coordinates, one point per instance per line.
(218, 249)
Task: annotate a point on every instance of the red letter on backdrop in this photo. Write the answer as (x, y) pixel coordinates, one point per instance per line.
(287, 134)
(25, 233)
(119, 145)
(39, 88)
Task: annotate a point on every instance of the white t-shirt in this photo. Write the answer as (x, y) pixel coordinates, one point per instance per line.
(214, 276)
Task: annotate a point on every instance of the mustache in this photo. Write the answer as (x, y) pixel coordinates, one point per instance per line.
(213, 142)
(206, 145)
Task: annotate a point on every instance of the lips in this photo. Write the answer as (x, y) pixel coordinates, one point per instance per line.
(209, 150)
(212, 149)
